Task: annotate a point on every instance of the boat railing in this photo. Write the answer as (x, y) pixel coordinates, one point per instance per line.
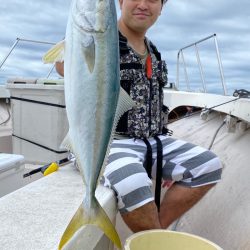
(18, 40)
(180, 57)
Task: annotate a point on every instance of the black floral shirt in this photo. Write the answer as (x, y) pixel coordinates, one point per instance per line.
(146, 118)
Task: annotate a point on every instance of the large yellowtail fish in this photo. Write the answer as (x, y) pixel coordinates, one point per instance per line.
(94, 101)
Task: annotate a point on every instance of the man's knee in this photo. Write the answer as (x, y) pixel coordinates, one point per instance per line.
(190, 194)
(131, 185)
(205, 174)
(199, 192)
(142, 218)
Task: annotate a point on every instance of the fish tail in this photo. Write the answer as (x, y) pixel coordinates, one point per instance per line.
(100, 219)
(76, 223)
(103, 222)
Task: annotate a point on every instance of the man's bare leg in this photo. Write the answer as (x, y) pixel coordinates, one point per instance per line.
(142, 218)
(178, 200)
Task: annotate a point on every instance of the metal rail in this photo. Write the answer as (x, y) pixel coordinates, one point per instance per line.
(29, 41)
(181, 54)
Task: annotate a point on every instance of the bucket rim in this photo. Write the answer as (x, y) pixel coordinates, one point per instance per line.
(152, 231)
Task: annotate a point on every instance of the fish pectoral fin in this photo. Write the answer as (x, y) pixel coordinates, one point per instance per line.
(89, 54)
(55, 54)
(101, 220)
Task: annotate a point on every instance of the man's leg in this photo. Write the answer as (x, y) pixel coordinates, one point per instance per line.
(126, 175)
(142, 218)
(178, 200)
(194, 169)
(137, 207)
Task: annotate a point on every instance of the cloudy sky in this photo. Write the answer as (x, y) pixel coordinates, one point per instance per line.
(181, 23)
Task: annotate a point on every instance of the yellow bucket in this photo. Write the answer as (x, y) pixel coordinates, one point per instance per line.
(168, 240)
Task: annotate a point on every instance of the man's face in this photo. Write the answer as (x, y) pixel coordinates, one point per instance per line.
(140, 15)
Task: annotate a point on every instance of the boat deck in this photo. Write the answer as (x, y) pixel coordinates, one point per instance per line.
(43, 208)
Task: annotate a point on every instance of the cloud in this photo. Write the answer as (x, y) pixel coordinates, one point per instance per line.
(41, 20)
(182, 22)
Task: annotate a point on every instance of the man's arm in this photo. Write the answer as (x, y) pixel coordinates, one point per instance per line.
(60, 68)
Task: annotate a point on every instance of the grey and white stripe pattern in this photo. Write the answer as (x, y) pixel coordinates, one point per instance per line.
(183, 162)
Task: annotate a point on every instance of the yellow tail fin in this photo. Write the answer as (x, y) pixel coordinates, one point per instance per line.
(101, 220)
(104, 223)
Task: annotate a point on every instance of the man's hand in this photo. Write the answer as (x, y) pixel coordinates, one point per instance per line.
(60, 68)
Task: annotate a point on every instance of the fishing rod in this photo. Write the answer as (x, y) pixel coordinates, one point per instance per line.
(50, 167)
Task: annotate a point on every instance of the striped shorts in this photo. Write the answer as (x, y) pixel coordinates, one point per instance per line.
(184, 163)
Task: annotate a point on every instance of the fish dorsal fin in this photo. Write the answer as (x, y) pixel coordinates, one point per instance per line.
(55, 54)
(89, 54)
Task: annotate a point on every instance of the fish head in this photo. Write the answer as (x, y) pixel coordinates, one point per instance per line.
(92, 16)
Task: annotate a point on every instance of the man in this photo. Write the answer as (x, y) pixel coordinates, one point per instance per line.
(140, 138)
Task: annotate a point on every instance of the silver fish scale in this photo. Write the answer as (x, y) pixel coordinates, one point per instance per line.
(91, 97)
